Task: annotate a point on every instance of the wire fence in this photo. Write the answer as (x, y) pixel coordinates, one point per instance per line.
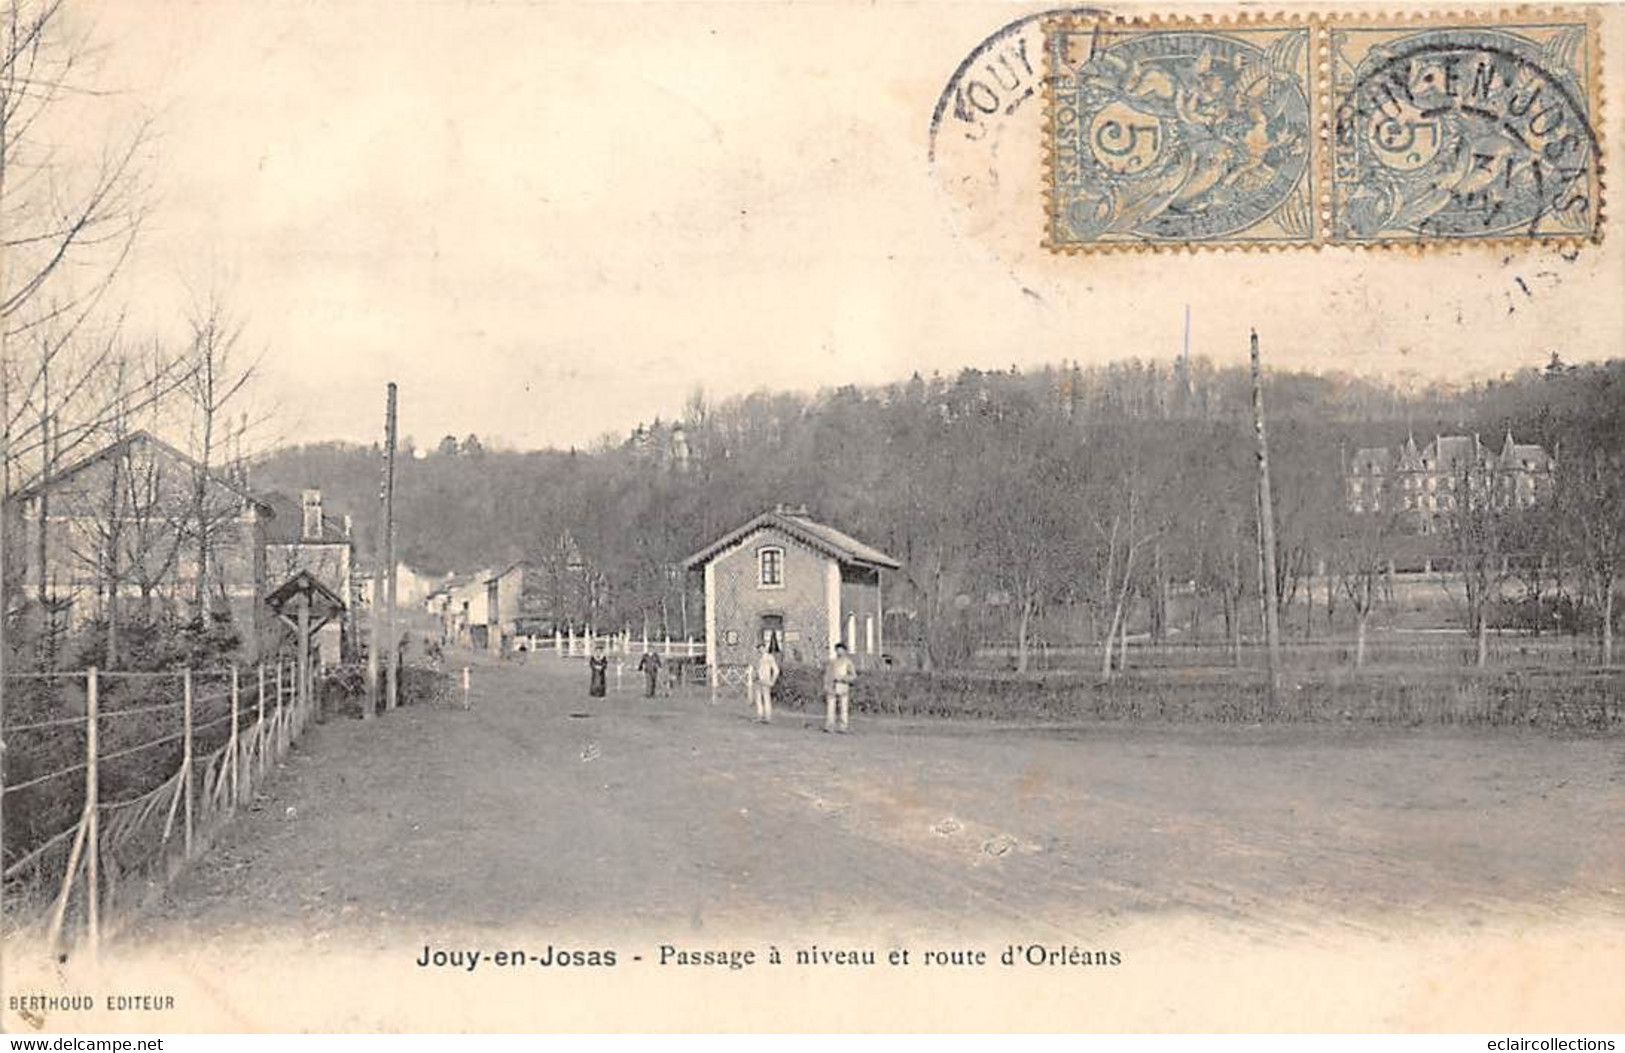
(113, 781)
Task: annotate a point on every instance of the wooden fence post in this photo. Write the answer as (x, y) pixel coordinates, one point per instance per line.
(60, 909)
(92, 833)
(259, 724)
(281, 720)
(235, 744)
(186, 754)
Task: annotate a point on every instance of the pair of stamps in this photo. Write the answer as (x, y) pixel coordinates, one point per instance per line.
(1317, 131)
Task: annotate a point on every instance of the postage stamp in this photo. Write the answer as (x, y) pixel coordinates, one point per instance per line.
(1180, 134)
(1322, 130)
(1459, 132)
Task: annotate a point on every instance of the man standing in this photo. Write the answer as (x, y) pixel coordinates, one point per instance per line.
(839, 673)
(767, 674)
(649, 666)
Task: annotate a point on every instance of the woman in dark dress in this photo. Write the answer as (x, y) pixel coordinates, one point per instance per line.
(598, 666)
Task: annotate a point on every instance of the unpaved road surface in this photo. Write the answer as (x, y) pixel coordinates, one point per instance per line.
(545, 812)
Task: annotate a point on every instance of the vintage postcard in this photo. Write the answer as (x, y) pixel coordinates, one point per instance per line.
(811, 517)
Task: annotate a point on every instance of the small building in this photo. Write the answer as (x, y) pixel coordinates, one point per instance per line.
(795, 584)
(119, 541)
(515, 601)
(469, 611)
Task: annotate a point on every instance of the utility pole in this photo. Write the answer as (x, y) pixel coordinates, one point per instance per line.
(377, 642)
(1266, 530)
(392, 655)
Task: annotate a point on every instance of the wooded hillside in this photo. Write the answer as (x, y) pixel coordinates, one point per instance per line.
(1065, 493)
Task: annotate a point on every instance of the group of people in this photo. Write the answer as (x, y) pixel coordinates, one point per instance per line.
(839, 674)
(598, 673)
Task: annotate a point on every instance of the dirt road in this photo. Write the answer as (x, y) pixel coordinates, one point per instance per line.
(542, 806)
(543, 811)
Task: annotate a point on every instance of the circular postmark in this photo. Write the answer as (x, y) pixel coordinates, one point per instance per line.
(1002, 76)
(985, 137)
(1463, 133)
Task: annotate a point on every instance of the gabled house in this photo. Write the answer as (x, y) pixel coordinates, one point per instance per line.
(469, 611)
(798, 585)
(513, 596)
(140, 528)
(1425, 484)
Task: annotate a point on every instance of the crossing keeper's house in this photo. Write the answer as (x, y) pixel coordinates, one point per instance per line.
(796, 584)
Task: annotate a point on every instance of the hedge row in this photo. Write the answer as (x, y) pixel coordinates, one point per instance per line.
(344, 688)
(1592, 699)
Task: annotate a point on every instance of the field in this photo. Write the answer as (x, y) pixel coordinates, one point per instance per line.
(542, 815)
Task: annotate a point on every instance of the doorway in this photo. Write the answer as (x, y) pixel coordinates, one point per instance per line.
(770, 632)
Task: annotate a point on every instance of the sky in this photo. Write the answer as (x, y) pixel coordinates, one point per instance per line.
(546, 222)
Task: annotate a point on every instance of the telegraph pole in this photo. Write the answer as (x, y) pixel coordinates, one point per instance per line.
(392, 655)
(1266, 530)
(380, 638)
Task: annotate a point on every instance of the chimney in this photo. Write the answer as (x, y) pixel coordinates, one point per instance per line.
(312, 501)
(349, 527)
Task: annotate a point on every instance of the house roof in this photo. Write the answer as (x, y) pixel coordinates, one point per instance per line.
(1515, 453)
(1532, 453)
(139, 436)
(518, 564)
(306, 584)
(1452, 452)
(820, 536)
(1368, 457)
(471, 583)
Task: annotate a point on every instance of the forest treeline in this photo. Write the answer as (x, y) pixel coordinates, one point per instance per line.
(1066, 495)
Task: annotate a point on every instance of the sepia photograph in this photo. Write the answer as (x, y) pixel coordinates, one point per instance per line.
(810, 517)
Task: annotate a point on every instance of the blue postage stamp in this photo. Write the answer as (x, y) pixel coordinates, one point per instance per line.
(1170, 133)
(1472, 130)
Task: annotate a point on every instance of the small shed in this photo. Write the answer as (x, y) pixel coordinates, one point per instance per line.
(796, 584)
(307, 605)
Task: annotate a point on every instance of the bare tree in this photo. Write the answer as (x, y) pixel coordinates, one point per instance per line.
(68, 220)
(1361, 553)
(1476, 530)
(1593, 484)
(1022, 531)
(1115, 502)
(217, 377)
